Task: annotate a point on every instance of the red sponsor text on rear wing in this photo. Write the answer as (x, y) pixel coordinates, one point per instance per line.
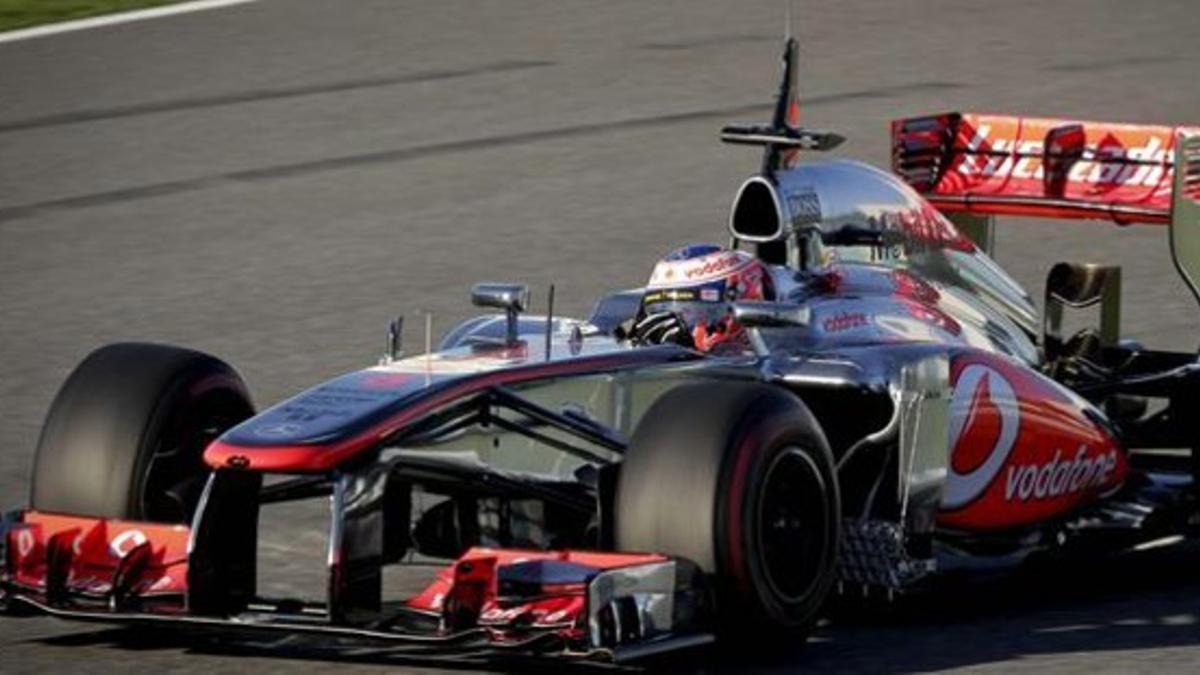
(1026, 166)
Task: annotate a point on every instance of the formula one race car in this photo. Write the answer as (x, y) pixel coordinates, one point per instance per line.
(851, 396)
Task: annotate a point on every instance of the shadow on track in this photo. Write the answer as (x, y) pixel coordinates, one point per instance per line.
(1140, 601)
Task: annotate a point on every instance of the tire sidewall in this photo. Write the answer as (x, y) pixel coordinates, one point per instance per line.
(691, 485)
(756, 442)
(117, 409)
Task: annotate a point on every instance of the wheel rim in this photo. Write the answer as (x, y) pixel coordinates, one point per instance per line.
(792, 524)
(176, 473)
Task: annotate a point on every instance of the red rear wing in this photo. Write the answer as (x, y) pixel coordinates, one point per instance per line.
(1040, 167)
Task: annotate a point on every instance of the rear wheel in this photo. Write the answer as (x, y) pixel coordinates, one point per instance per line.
(739, 479)
(126, 433)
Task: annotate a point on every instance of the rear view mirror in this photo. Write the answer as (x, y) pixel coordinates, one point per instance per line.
(509, 297)
(770, 314)
(512, 298)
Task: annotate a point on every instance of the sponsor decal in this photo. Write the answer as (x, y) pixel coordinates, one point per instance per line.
(844, 321)
(547, 611)
(725, 263)
(984, 422)
(125, 542)
(804, 207)
(706, 268)
(278, 430)
(1058, 476)
(502, 615)
(1020, 451)
(672, 295)
(25, 542)
(1104, 164)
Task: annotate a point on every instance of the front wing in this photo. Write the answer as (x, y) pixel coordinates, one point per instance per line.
(491, 602)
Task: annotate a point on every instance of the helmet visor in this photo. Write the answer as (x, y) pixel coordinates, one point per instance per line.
(695, 306)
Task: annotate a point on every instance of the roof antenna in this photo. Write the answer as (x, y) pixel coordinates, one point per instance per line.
(787, 19)
(549, 320)
(784, 136)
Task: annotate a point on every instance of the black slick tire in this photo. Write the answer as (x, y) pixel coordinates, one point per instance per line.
(738, 478)
(125, 435)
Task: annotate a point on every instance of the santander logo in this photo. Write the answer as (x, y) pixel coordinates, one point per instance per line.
(985, 420)
(1099, 164)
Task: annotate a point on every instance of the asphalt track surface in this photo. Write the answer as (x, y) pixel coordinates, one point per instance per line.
(271, 182)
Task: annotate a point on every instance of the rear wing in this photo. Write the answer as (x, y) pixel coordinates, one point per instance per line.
(1026, 166)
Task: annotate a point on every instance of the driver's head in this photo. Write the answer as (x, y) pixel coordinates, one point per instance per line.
(698, 284)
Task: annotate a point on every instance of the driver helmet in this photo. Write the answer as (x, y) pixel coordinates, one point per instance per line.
(698, 284)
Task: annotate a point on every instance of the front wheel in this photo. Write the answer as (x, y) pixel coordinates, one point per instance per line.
(738, 478)
(126, 433)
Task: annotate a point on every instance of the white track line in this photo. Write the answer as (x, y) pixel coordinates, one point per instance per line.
(114, 19)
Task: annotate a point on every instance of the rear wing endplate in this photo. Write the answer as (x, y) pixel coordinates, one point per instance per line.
(1185, 210)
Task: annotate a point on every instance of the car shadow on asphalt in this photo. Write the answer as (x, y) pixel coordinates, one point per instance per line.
(1144, 601)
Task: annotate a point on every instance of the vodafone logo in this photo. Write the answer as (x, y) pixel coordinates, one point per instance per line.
(25, 542)
(1060, 476)
(984, 422)
(712, 267)
(706, 268)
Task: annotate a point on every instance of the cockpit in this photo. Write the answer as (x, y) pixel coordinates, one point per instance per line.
(840, 212)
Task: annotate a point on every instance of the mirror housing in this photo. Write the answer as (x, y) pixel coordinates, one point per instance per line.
(757, 314)
(512, 298)
(509, 297)
(770, 314)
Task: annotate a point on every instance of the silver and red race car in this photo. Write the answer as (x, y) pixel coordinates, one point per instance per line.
(898, 410)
